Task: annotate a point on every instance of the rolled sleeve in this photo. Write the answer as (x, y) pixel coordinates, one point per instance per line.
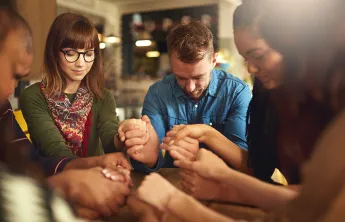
(138, 166)
(235, 127)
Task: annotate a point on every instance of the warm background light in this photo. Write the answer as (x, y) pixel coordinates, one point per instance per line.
(112, 39)
(141, 43)
(102, 45)
(152, 54)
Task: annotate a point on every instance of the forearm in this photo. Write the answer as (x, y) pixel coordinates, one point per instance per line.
(295, 187)
(84, 163)
(227, 150)
(229, 193)
(188, 209)
(257, 193)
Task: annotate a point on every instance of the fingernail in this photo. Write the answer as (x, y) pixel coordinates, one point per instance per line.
(171, 142)
(114, 177)
(104, 171)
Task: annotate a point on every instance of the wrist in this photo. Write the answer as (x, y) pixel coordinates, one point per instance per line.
(151, 163)
(208, 133)
(58, 181)
(119, 145)
(223, 174)
(174, 199)
(84, 163)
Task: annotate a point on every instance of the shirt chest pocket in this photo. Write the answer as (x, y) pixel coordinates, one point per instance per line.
(174, 121)
(216, 121)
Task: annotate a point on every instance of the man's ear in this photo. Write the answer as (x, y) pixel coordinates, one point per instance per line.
(214, 59)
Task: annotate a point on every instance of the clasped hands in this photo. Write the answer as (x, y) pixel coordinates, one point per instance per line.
(200, 169)
(135, 134)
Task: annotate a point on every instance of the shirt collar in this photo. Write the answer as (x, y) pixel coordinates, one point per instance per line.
(211, 90)
(178, 91)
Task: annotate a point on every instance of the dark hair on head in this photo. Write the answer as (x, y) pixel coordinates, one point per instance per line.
(261, 131)
(246, 15)
(10, 20)
(261, 123)
(190, 42)
(72, 31)
(313, 50)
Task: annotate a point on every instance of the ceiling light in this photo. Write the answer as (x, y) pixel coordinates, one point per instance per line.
(140, 43)
(152, 54)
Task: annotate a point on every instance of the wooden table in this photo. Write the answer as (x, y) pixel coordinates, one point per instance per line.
(172, 174)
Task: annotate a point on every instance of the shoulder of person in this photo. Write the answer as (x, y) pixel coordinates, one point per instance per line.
(107, 95)
(229, 78)
(32, 90)
(163, 84)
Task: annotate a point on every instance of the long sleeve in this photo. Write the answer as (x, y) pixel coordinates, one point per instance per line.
(107, 122)
(43, 131)
(50, 165)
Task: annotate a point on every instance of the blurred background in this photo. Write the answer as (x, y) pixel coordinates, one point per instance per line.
(132, 35)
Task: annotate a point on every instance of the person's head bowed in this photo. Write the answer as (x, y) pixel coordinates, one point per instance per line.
(72, 54)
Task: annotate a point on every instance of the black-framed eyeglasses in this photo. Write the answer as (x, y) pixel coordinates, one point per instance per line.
(72, 55)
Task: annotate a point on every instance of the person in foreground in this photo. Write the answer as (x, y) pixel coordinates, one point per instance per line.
(314, 71)
(81, 187)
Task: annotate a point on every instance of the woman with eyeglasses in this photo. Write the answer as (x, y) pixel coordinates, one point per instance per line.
(70, 113)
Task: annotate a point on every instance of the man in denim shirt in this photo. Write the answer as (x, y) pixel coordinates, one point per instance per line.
(196, 92)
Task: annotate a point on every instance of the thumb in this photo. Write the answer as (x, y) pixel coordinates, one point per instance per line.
(146, 119)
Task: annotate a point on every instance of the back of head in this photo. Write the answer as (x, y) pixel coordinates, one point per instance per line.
(190, 42)
(77, 32)
(247, 14)
(10, 21)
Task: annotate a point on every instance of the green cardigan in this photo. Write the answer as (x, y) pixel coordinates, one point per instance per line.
(47, 138)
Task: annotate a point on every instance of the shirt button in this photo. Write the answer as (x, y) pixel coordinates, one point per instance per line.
(196, 105)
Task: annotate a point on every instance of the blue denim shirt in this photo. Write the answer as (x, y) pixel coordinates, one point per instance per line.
(224, 106)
